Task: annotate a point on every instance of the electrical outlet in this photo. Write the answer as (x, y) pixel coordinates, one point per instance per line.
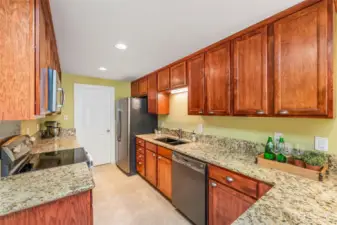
(200, 128)
(27, 130)
(38, 127)
(65, 117)
(321, 143)
(277, 136)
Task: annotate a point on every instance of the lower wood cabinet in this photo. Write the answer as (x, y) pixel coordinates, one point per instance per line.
(140, 164)
(151, 167)
(74, 210)
(164, 182)
(226, 204)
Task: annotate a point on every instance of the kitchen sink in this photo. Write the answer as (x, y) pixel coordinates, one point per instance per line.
(171, 141)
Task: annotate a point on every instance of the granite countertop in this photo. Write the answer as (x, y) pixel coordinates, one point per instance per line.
(55, 144)
(31, 189)
(292, 200)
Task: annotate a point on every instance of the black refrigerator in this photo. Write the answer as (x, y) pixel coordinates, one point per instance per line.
(132, 118)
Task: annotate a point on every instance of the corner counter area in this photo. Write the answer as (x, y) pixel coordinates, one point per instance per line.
(39, 197)
(291, 200)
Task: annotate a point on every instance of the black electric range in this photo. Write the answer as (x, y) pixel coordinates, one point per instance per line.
(16, 157)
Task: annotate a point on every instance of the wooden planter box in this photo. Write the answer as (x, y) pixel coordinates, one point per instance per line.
(290, 168)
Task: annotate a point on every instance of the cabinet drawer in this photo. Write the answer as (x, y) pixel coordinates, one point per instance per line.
(167, 153)
(140, 142)
(140, 164)
(234, 180)
(140, 149)
(151, 147)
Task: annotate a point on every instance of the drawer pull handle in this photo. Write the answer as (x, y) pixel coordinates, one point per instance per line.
(259, 112)
(229, 179)
(159, 157)
(201, 111)
(213, 184)
(211, 112)
(284, 112)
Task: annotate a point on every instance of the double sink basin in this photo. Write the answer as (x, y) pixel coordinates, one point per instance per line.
(171, 141)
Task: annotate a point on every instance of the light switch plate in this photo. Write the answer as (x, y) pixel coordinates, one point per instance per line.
(65, 117)
(200, 128)
(321, 143)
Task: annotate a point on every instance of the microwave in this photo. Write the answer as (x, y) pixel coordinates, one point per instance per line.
(55, 92)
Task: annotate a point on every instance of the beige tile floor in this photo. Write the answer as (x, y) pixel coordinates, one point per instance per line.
(122, 200)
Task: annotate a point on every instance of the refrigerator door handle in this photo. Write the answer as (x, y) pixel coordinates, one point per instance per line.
(119, 138)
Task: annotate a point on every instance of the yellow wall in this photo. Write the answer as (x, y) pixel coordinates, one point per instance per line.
(122, 89)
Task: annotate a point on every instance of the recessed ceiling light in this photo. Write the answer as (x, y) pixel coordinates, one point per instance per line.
(121, 46)
(102, 68)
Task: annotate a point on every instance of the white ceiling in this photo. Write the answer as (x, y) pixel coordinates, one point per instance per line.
(157, 32)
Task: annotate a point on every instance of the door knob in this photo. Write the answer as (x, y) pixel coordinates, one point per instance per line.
(108, 130)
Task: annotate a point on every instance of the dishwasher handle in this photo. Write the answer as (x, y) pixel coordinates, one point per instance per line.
(189, 162)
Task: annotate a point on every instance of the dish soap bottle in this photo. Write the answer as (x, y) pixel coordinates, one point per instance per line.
(268, 151)
(280, 148)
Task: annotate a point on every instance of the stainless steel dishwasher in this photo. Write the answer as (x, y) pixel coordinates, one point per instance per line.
(189, 187)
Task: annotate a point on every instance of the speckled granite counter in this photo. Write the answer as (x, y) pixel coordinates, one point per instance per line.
(31, 189)
(55, 144)
(292, 200)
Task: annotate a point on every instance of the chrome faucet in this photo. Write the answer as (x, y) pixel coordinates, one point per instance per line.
(179, 133)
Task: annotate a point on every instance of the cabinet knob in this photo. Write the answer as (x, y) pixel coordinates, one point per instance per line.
(201, 111)
(159, 157)
(140, 163)
(211, 112)
(153, 154)
(229, 179)
(283, 112)
(213, 184)
(260, 112)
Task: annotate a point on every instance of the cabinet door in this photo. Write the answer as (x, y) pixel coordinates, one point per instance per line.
(218, 80)
(178, 75)
(134, 88)
(164, 80)
(303, 81)
(152, 93)
(151, 167)
(142, 86)
(196, 92)
(165, 176)
(225, 204)
(250, 74)
(140, 164)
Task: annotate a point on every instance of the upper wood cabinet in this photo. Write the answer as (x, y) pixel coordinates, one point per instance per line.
(218, 80)
(225, 204)
(152, 93)
(24, 55)
(142, 86)
(134, 88)
(164, 80)
(196, 93)
(250, 73)
(178, 75)
(303, 68)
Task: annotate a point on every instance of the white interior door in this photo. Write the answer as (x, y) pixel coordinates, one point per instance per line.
(94, 121)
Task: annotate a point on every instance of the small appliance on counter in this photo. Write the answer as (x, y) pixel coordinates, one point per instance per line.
(16, 157)
(52, 130)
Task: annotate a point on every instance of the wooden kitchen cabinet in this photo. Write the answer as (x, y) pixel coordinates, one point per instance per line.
(134, 89)
(225, 204)
(140, 163)
(196, 88)
(158, 103)
(164, 80)
(26, 33)
(178, 76)
(142, 86)
(75, 210)
(250, 74)
(151, 167)
(164, 172)
(303, 66)
(218, 80)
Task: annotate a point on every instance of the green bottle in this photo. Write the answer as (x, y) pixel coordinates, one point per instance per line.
(281, 151)
(268, 151)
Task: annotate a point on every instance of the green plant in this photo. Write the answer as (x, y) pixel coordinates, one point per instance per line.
(297, 154)
(314, 158)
